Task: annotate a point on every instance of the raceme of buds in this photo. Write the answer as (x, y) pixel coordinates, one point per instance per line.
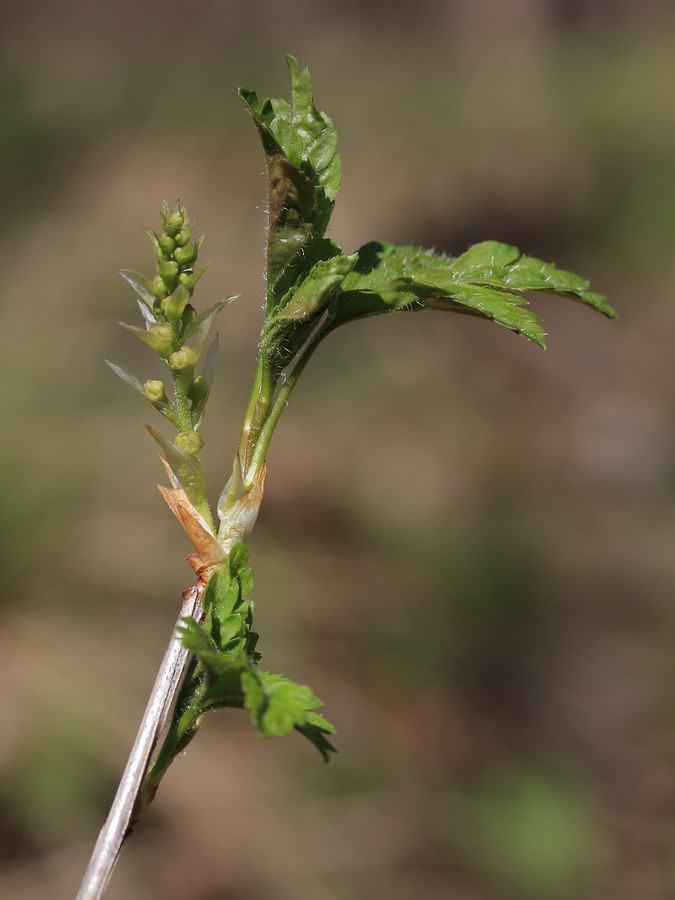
(170, 320)
(173, 218)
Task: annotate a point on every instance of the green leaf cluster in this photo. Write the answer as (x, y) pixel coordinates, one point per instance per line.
(227, 675)
(313, 286)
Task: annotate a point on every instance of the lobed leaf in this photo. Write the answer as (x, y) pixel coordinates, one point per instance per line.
(486, 281)
(197, 640)
(312, 292)
(279, 705)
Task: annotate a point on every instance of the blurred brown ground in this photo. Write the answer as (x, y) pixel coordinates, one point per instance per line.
(467, 545)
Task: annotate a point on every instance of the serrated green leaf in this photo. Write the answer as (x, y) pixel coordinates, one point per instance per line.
(254, 695)
(486, 281)
(196, 638)
(220, 593)
(228, 628)
(487, 253)
(500, 307)
(319, 721)
(245, 576)
(313, 291)
(317, 736)
(236, 646)
(316, 250)
(287, 705)
(238, 557)
(219, 674)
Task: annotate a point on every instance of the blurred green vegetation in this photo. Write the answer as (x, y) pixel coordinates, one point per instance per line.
(474, 538)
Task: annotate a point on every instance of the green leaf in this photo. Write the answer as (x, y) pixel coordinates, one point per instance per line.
(279, 705)
(312, 293)
(487, 253)
(196, 638)
(254, 695)
(314, 251)
(245, 577)
(218, 680)
(229, 628)
(238, 557)
(486, 281)
(198, 641)
(435, 292)
(221, 593)
(317, 736)
(304, 171)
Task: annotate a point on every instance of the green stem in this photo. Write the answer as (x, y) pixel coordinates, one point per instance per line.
(257, 409)
(181, 383)
(185, 723)
(272, 418)
(262, 416)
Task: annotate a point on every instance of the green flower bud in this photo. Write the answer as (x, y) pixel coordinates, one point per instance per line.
(189, 442)
(173, 220)
(154, 391)
(184, 235)
(183, 359)
(185, 255)
(158, 288)
(198, 389)
(166, 243)
(162, 340)
(190, 315)
(168, 269)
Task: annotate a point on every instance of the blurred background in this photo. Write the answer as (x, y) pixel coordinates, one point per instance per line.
(466, 545)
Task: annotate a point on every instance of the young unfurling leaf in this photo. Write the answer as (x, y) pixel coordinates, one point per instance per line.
(304, 172)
